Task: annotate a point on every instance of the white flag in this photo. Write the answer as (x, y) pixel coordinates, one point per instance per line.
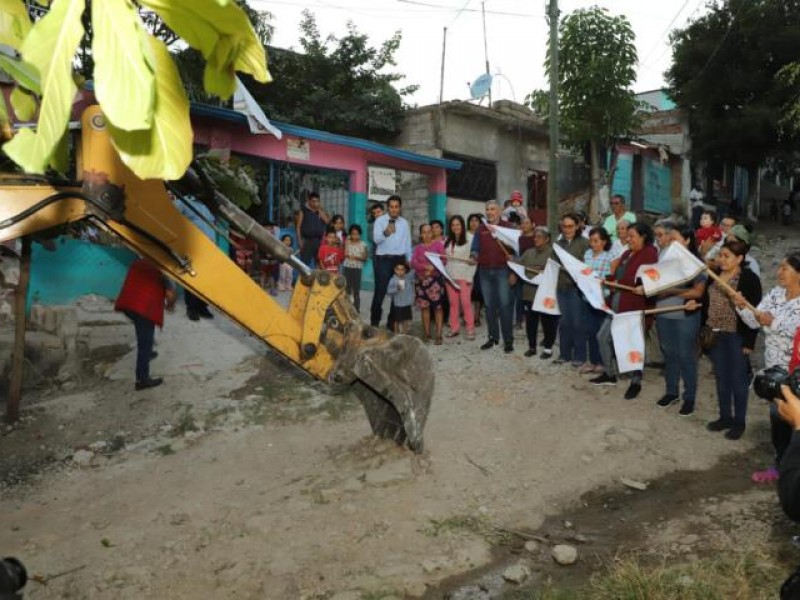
(545, 300)
(244, 103)
(506, 235)
(436, 261)
(522, 272)
(627, 331)
(676, 266)
(585, 278)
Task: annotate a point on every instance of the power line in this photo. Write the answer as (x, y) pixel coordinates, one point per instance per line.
(488, 12)
(668, 28)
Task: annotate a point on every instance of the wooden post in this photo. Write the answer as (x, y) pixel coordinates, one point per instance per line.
(21, 320)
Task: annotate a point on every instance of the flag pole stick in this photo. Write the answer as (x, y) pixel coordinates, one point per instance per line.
(727, 287)
(668, 309)
(618, 286)
(527, 269)
(464, 260)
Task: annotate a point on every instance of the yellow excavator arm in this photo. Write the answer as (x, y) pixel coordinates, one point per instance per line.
(320, 331)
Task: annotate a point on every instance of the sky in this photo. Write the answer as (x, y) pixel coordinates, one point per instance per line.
(516, 37)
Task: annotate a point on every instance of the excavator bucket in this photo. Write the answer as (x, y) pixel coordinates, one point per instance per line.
(393, 377)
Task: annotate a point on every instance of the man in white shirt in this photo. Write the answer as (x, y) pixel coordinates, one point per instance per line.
(618, 213)
(392, 237)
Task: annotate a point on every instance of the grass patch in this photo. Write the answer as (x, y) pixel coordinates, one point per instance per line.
(750, 575)
(460, 524)
(164, 450)
(184, 423)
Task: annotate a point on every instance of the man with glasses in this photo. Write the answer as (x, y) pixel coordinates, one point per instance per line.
(618, 213)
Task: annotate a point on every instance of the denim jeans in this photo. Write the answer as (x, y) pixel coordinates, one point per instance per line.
(145, 336)
(384, 269)
(732, 372)
(499, 302)
(594, 320)
(678, 339)
(572, 326)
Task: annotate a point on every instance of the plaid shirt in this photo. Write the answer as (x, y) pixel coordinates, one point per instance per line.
(600, 264)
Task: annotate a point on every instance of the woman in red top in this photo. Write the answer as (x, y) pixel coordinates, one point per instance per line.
(641, 251)
(142, 298)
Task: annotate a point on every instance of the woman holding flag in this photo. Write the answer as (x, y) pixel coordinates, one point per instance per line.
(734, 340)
(430, 287)
(461, 268)
(572, 326)
(623, 271)
(677, 332)
(778, 314)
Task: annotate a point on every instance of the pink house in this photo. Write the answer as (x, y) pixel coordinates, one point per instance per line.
(336, 166)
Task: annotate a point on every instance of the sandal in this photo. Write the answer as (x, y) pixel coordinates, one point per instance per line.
(438, 341)
(452, 334)
(769, 475)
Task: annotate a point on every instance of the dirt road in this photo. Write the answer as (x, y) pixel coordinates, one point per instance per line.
(240, 479)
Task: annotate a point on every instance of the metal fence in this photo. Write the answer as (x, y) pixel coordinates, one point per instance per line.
(284, 187)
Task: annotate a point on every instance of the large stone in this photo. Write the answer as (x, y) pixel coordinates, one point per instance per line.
(516, 573)
(564, 554)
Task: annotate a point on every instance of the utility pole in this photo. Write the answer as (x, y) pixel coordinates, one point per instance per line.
(486, 48)
(552, 175)
(441, 78)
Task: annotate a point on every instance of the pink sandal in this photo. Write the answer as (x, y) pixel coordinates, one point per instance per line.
(769, 475)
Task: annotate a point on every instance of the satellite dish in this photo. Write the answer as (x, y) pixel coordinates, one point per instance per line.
(481, 86)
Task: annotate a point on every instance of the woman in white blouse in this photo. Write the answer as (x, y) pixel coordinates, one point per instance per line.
(778, 314)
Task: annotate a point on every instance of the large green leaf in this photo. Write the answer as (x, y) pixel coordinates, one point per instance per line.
(24, 104)
(24, 74)
(49, 47)
(224, 36)
(123, 80)
(165, 150)
(3, 114)
(14, 22)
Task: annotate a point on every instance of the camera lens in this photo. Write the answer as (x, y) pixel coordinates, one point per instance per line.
(13, 576)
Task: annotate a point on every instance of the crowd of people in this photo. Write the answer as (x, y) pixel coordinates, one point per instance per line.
(720, 312)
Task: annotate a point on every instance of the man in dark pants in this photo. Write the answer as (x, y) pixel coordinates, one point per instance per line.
(496, 279)
(142, 298)
(392, 237)
(310, 227)
(202, 217)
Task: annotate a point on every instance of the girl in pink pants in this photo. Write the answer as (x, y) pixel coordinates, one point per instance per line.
(461, 269)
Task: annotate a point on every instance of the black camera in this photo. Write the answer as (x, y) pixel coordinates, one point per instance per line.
(767, 384)
(13, 578)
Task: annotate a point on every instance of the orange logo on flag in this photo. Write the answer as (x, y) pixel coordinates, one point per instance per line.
(635, 356)
(586, 271)
(549, 302)
(653, 274)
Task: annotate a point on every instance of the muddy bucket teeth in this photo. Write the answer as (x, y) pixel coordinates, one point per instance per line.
(395, 386)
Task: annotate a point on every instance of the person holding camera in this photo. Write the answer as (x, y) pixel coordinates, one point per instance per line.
(787, 406)
(778, 314)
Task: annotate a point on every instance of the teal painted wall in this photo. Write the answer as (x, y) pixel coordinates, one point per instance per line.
(357, 213)
(437, 206)
(76, 268)
(657, 186)
(623, 177)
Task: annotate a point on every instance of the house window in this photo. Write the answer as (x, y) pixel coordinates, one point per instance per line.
(476, 180)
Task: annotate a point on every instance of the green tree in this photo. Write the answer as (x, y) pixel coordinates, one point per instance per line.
(135, 79)
(732, 70)
(597, 67)
(343, 85)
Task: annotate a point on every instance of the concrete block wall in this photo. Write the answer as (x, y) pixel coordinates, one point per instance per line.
(413, 189)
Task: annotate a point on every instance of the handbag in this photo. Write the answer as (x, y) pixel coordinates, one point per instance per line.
(706, 337)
